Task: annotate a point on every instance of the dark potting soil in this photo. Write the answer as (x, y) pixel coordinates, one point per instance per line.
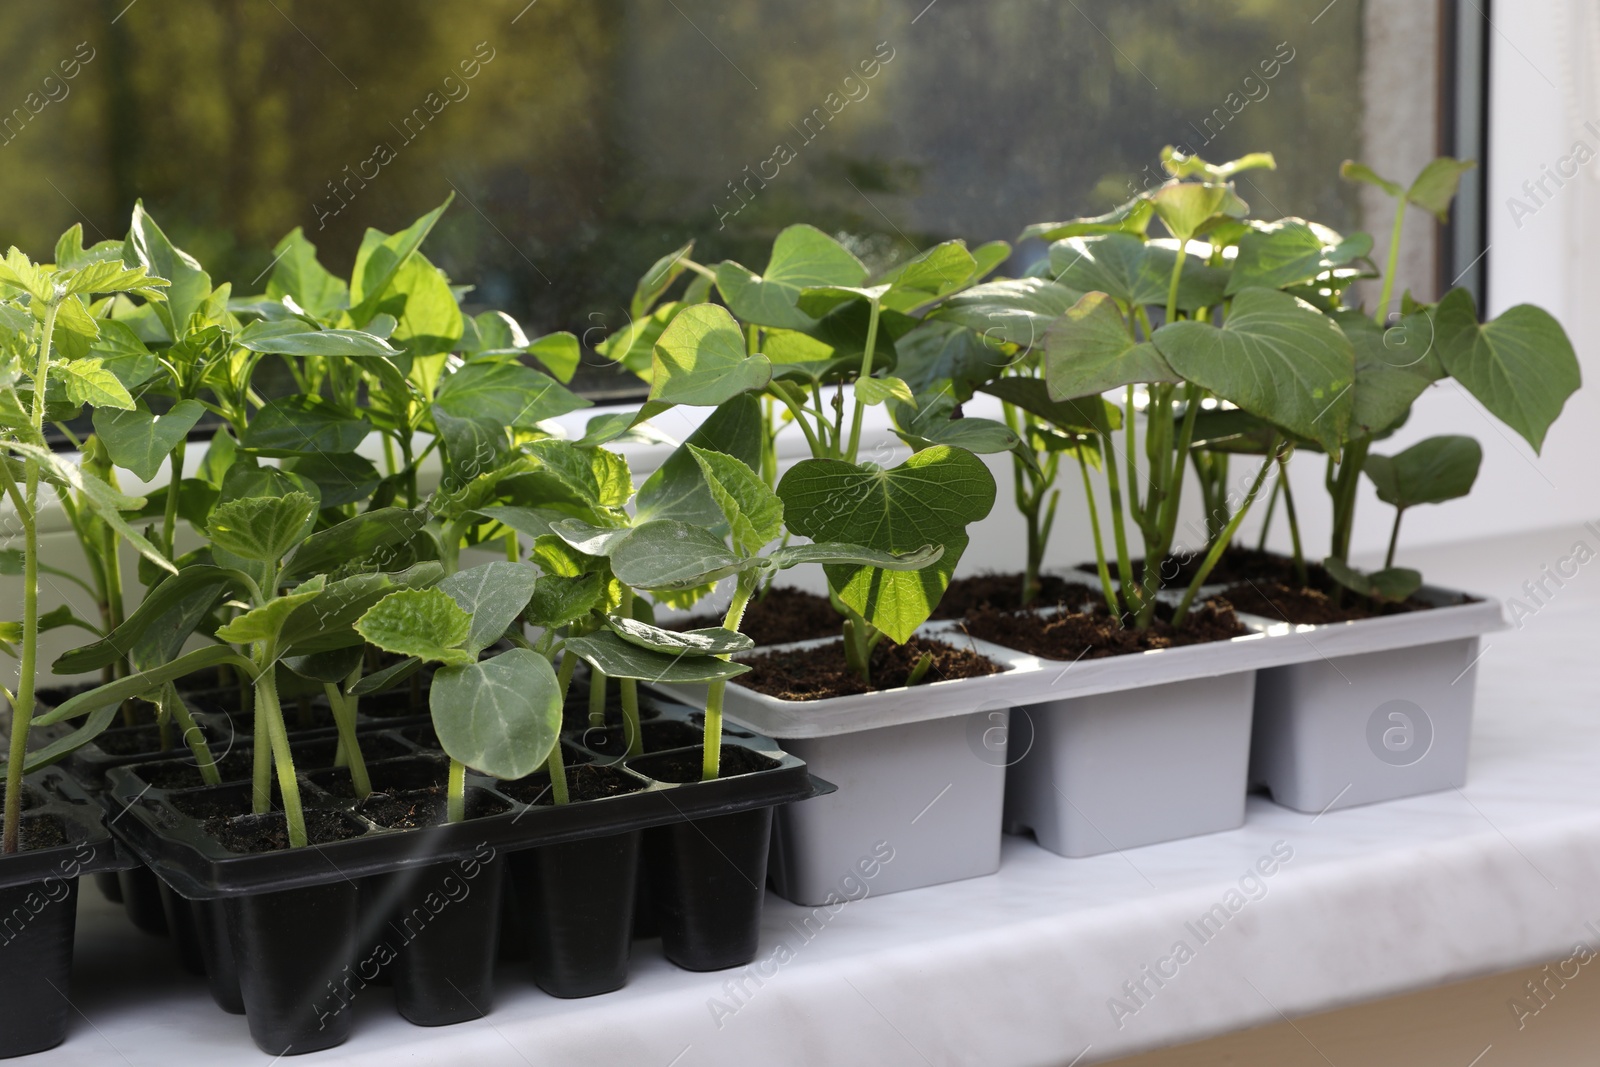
(181, 772)
(575, 716)
(394, 704)
(820, 671)
(417, 808)
(140, 740)
(657, 737)
(270, 832)
(42, 831)
(1071, 635)
(687, 765)
(1004, 593)
(1238, 564)
(398, 776)
(223, 801)
(783, 615)
(585, 781)
(1278, 601)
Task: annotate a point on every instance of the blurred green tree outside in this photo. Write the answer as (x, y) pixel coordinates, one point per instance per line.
(592, 137)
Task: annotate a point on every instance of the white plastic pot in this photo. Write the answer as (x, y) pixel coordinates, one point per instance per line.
(1381, 710)
(920, 774)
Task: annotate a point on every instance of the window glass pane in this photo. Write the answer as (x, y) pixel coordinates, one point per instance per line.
(584, 139)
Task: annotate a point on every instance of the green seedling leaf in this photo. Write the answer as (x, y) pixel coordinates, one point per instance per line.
(1429, 472)
(874, 391)
(560, 354)
(938, 352)
(617, 658)
(297, 273)
(1233, 430)
(1132, 217)
(1186, 206)
(369, 538)
(220, 453)
(508, 393)
(471, 446)
(1014, 311)
(106, 501)
(931, 498)
(559, 600)
(802, 256)
(1520, 366)
(831, 349)
(262, 529)
(343, 477)
(532, 523)
(1134, 271)
(89, 382)
(1436, 186)
(1276, 357)
(500, 717)
(331, 666)
(425, 623)
(1089, 351)
(264, 623)
(928, 276)
(429, 318)
(935, 424)
(297, 424)
(190, 287)
(859, 555)
(667, 554)
(657, 280)
(677, 490)
(380, 259)
(753, 511)
(163, 604)
(1393, 584)
(700, 360)
(1291, 252)
(140, 441)
(392, 675)
(591, 477)
(1352, 171)
(1180, 165)
(494, 595)
(329, 623)
(713, 641)
(1391, 371)
(1090, 414)
(296, 337)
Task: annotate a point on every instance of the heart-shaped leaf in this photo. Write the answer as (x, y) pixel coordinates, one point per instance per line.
(1016, 311)
(802, 256)
(1520, 366)
(500, 717)
(507, 393)
(931, 498)
(494, 595)
(700, 360)
(1276, 357)
(1392, 584)
(264, 622)
(329, 622)
(1134, 271)
(616, 658)
(1429, 472)
(141, 442)
(425, 623)
(1131, 217)
(1388, 375)
(928, 276)
(561, 599)
(1089, 351)
(713, 641)
(1089, 414)
(677, 490)
(343, 477)
(1185, 206)
(657, 280)
(1291, 252)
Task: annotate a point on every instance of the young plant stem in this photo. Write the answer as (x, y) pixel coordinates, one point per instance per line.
(711, 744)
(629, 689)
(866, 372)
(193, 736)
(456, 796)
(268, 707)
(344, 719)
(1099, 543)
(553, 765)
(597, 698)
(1132, 436)
(1294, 521)
(919, 669)
(22, 709)
(1394, 537)
(260, 762)
(169, 521)
(1382, 313)
(1119, 528)
(1220, 545)
(1266, 520)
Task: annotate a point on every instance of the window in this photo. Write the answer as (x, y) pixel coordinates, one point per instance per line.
(584, 139)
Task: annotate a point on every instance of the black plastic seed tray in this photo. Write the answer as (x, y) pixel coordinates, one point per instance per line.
(52, 797)
(168, 827)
